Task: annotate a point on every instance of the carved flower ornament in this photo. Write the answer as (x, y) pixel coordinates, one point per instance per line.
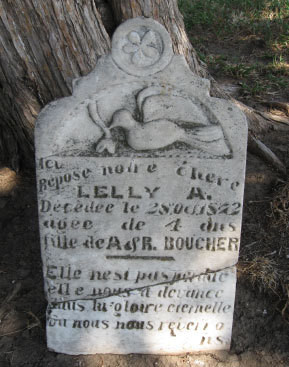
(144, 51)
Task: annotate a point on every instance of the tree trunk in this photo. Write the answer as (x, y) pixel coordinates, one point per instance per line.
(46, 44)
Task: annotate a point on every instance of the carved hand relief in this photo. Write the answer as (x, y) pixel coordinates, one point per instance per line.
(163, 117)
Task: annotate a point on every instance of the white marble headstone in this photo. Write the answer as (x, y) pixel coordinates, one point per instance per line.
(140, 187)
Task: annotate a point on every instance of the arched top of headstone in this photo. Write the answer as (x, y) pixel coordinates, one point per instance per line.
(141, 100)
(141, 46)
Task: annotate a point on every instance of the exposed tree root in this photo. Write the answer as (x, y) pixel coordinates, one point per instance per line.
(258, 148)
(277, 105)
(259, 124)
(274, 117)
(9, 298)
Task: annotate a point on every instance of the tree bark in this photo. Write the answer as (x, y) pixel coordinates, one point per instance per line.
(44, 45)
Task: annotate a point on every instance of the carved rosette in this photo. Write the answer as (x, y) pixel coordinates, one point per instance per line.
(141, 47)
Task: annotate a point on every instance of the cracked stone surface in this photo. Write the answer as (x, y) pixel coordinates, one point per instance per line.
(140, 177)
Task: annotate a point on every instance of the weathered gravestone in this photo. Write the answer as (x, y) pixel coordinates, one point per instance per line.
(140, 188)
